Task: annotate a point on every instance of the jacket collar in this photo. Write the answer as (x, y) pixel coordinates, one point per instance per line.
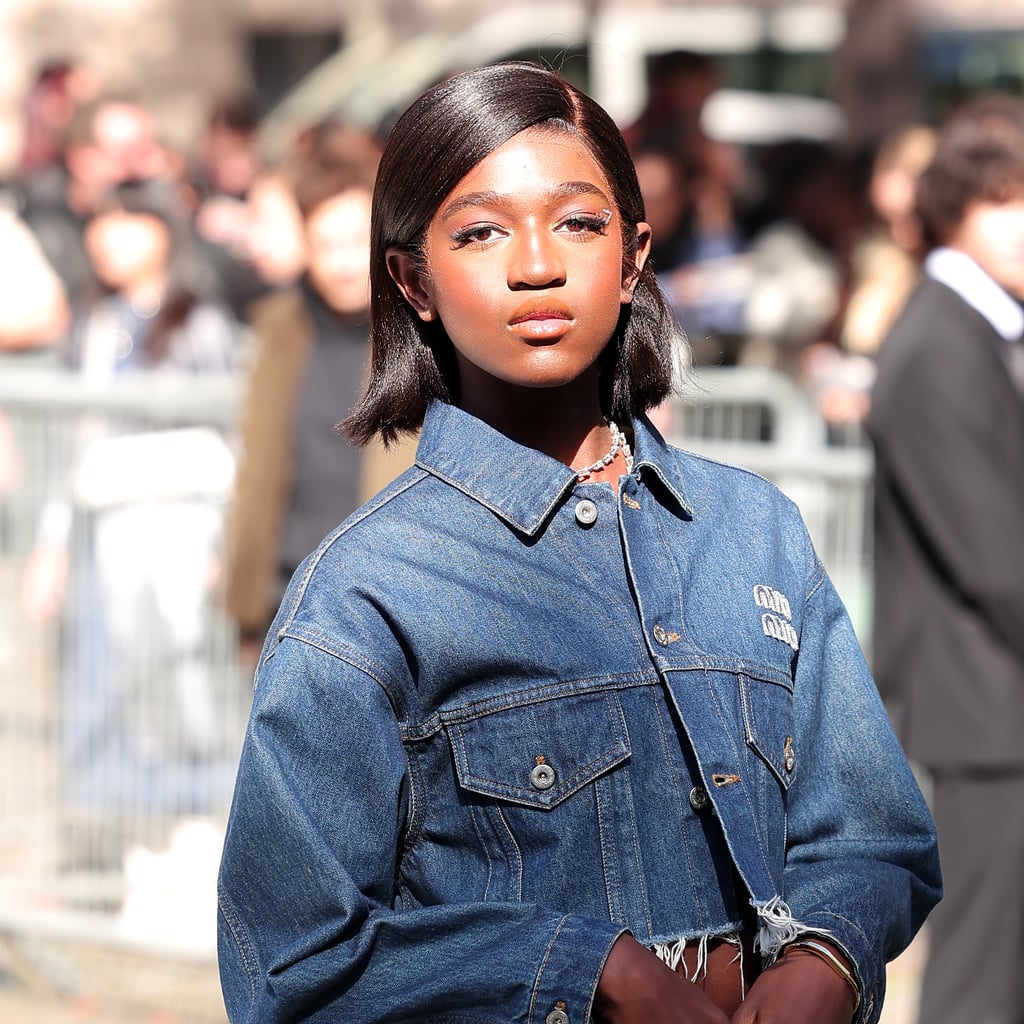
(522, 485)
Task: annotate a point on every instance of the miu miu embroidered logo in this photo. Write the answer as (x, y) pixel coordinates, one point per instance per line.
(776, 620)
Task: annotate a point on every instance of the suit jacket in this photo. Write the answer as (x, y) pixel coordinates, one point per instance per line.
(947, 426)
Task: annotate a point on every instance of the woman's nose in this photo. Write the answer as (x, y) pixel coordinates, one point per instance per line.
(536, 261)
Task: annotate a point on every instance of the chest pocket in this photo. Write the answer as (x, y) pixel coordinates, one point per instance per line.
(536, 755)
(768, 725)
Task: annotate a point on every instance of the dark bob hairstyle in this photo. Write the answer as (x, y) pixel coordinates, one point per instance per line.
(435, 143)
(979, 156)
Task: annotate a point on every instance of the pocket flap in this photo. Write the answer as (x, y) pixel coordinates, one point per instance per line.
(538, 754)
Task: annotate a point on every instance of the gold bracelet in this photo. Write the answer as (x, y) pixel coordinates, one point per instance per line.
(823, 953)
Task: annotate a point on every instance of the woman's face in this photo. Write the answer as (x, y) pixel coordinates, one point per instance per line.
(525, 266)
(338, 242)
(128, 249)
(276, 242)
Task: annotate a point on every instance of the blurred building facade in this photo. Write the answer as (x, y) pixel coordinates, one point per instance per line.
(181, 57)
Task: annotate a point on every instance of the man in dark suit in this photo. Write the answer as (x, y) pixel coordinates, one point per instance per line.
(947, 424)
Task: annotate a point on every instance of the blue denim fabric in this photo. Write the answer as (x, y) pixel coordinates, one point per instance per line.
(477, 722)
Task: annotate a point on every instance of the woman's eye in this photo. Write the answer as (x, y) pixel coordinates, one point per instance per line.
(587, 223)
(475, 235)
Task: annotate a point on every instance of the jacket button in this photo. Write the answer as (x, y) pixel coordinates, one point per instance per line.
(699, 799)
(661, 635)
(586, 512)
(542, 776)
(557, 1017)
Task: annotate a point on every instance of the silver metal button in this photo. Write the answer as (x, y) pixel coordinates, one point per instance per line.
(699, 798)
(661, 635)
(586, 512)
(542, 776)
(789, 755)
(557, 1017)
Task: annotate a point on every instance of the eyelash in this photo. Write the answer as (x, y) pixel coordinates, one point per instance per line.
(597, 223)
(468, 236)
(584, 223)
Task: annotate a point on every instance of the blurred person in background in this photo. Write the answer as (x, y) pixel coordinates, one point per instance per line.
(229, 158)
(148, 309)
(887, 258)
(799, 258)
(693, 205)
(58, 89)
(297, 477)
(886, 264)
(690, 184)
(127, 551)
(678, 86)
(34, 309)
(275, 242)
(228, 164)
(947, 423)
(34, 303)
(108, 140)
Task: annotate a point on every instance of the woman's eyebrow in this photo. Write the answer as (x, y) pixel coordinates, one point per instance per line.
(567, 190)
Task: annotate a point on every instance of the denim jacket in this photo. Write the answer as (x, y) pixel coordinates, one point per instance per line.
(503, 717)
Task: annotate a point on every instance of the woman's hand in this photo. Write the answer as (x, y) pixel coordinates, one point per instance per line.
(799, 988)
(637, 988)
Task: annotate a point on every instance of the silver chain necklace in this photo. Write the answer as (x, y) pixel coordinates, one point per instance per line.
(619, 444)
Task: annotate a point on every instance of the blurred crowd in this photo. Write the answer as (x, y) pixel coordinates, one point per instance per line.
(793, 254)
(120, 258)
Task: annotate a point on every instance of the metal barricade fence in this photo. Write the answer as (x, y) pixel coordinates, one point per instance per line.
(122, 707)
(122, 700)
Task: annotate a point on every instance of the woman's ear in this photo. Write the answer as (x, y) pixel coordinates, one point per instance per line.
(407, 273)
(636, 265)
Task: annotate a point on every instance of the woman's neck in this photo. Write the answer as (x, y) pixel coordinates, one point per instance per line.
(565, 423)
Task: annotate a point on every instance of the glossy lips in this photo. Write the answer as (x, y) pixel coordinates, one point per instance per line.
(542, 324)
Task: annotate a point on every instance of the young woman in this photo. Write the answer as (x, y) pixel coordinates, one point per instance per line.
(565, 719)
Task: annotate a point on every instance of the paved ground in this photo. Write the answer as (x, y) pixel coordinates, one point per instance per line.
(144, 993)
(43, 983)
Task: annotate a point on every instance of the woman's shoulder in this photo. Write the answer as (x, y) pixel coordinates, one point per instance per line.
(718, 484)
(345, 595)
(372, 537)
(743, 515)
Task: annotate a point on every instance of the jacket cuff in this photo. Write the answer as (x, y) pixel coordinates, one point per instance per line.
(868, 969)
(573, 962)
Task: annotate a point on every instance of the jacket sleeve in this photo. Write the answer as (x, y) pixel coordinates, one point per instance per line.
(861, 855)
(310, 928)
